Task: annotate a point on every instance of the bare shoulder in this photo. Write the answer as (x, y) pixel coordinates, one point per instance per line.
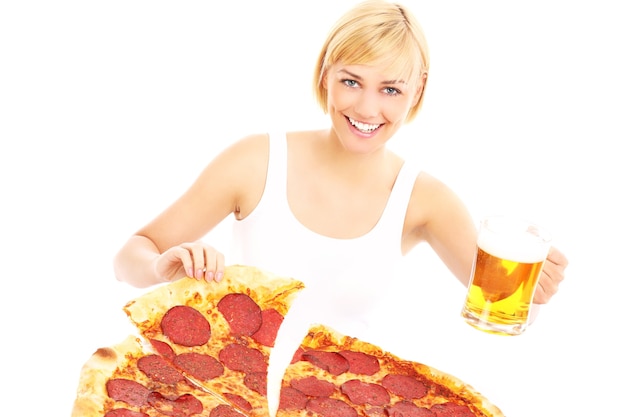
(430, 195)
(432, 202)
(240, 164)
(242, 171)
(249, 149)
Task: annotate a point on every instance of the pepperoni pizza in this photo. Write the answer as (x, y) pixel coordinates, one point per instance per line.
(204, 351)
(129, 380)
(340, 376)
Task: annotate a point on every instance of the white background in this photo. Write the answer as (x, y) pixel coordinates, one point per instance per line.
(108, 111)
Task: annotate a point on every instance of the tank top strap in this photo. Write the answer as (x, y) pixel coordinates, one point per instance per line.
(392, 221)
(276, 181)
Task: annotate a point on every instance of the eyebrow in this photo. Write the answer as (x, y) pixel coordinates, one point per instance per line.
(358, 77)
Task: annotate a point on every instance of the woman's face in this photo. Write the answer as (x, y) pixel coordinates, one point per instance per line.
(366, 105)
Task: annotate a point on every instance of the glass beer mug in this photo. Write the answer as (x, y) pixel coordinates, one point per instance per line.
(510, 253)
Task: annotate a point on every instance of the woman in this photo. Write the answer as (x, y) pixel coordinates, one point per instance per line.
(334, 208)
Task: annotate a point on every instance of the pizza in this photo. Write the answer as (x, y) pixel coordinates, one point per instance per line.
(216, 336)
(340, 376)
(203, 350)
(130, 380)
(219, 335)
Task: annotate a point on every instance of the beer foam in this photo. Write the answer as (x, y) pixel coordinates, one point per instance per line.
(514, 245)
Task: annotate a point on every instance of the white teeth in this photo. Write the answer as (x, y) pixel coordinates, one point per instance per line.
(363, 127)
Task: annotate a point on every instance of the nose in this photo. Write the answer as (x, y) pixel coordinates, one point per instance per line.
(367, 105)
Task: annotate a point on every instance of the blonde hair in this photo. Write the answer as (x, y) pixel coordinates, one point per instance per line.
(376, 32)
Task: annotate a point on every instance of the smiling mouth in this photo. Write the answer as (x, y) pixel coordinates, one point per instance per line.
(363, 127)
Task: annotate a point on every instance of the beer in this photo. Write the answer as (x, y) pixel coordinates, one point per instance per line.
(504, 277)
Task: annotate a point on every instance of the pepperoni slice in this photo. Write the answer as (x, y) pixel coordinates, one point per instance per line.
(163, 349)
(331, 362)
(404, 386)
(408, 409)
(183, 406)
(361, 363)
(159, 370)
(297, 356)
(186, 326)
(224, 411)
(242, 358)
(330, 407)
(451, 410)
(314, 387)
(238, 401)
(376, 412)
(292, 399)
(198, 365)
(241, 312)
(256, 381)
(126, 390)
(271, 321)
(124, 412)
(361, 392)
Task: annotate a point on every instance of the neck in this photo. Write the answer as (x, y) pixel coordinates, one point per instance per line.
(336, 150)
(334, 157)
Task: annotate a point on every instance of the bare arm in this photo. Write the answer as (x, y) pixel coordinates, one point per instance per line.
(440, 218)
(135, 262)
(169, 247)
(437, 216)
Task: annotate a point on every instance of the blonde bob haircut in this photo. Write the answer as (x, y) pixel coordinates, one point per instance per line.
(376, 32)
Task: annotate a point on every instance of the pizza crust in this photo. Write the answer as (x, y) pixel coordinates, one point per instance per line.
(265, 287)
(91, 395)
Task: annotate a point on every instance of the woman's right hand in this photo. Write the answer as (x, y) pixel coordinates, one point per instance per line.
(196, 260)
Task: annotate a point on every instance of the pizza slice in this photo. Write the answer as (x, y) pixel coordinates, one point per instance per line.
(333, 375)
(129, 380)
(219, 335)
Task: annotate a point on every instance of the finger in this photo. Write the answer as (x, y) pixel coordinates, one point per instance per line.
(540, 296)
(199, 261)
(211, 262)
(185, 258)
(557, 257)
(549, 280)
(544, 290)
(541, 292)
(197, 267)
(214, 262)
(220, 265)
(555, 272)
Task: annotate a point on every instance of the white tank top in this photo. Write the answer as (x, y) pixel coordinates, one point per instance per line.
(344, 278)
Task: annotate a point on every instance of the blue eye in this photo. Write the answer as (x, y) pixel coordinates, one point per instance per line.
(350, 83)
(392, 91)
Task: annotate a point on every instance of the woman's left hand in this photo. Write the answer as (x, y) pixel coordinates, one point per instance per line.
(551, 276)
